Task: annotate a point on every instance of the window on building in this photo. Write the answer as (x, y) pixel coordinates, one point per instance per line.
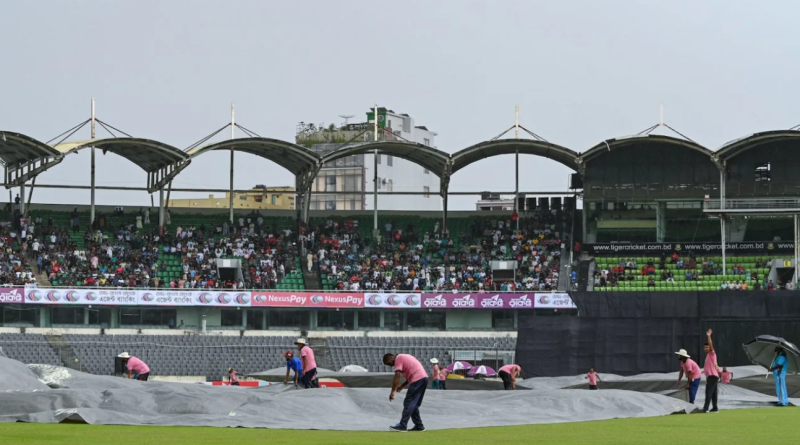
(243, 198)
(330, 205)
(503, 319)
(259, 198)
(427, 191)
(427, 141)
(369, 319)
(425, 171)
(763, 172)
(19, 314)
(66, 315)
(388, 124)
(389, 160)
(379, 183)
(330, 183)
(434, 320)
(231, 317)
(100, 317)
(379, 159)
(274, 200)
(390, 186)
(295, 319)
(337, 320)
(150, 317)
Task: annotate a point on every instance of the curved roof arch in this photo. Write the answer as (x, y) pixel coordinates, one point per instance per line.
(738, 146)
(148, 154)
(434, 160)
(611, 144)
(295, 158)
(17, 149)
(498, 147)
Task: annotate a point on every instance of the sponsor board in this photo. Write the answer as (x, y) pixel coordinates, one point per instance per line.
(118, 297)
(99, 297)
(554, 301)
(498, 301)
(12, 295)
(307, 299)
(621, 249)
(478, 301)
(393, 301)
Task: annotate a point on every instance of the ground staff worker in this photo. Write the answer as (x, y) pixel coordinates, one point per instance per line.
(779, 373)
(712, 375)
(417, 382)
(309, 364)
(692, 371)
(508, 374)
(293, 364)
(135, 366)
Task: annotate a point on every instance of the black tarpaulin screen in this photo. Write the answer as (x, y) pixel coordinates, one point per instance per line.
(630, 333)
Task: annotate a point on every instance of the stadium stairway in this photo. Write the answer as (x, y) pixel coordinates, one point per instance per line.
(68, 357)
(585, 270)
(311, 279)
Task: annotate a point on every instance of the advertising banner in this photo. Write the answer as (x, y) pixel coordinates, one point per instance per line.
(227, 298)
(119, 297)
(11, 295)
(554, 301)
(98, 297)
(393, 301)
(477, 301)
(308, 299)
(622, 249)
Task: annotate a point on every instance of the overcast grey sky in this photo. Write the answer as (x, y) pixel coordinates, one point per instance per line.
(581, 72)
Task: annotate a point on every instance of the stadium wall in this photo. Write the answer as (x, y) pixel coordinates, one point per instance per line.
(629, 333)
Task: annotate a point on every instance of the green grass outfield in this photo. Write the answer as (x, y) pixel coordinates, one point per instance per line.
(763, 425)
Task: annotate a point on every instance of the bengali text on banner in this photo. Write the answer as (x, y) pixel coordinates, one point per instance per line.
(121, 297)
(497, 301)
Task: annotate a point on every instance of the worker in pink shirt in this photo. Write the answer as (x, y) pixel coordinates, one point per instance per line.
(725, 376)
(135, 366)
(417, 382)
(692, 372)
(712, 375)
(593, 378)
(233, 377)
(435, 374)
(508, 374)
(309, 364)
(442, 377)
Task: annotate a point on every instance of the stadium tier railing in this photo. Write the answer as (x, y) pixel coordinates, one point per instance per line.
(211, 361)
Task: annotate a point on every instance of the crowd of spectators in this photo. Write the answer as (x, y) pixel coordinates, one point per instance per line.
(124, 250)
(119, 252)
(403, 259)
(14, 267)
(670, 267)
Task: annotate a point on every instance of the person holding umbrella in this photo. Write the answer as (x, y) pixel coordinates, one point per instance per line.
(508, 374)
(692, 371)
(778, 369)
(712, 375)
(779, 356)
